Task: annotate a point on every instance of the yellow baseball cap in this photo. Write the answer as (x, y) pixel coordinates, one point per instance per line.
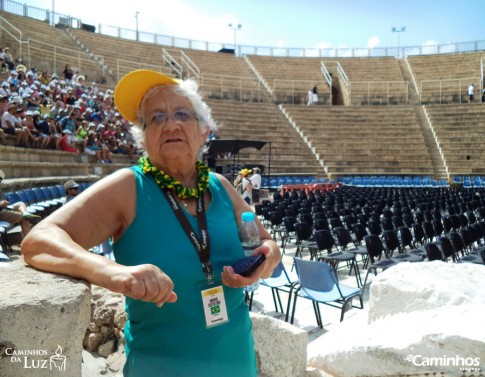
(245, 171)
(132, 87)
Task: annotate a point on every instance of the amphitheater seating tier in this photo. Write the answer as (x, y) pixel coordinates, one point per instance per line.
(362, 140)
(460, 131)
(265, 122)
(444, 78)
(344, 140)
(49, 48)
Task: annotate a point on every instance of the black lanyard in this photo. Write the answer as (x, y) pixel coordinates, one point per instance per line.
(201, 246)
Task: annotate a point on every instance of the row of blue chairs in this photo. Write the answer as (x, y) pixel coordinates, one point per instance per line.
(40, 201)
(393, 181)
(276, 182)
(469, 182)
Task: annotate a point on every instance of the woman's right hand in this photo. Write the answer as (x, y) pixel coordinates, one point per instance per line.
(144, 282)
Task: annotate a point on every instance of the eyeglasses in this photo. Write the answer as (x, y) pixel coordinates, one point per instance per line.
(73, 188)
(180, 117)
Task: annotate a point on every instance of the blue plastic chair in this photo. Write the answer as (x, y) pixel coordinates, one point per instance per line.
(41, 198)
(281, 280)
(51, 198)
(5, 228)
(318, 283)
(21, 196)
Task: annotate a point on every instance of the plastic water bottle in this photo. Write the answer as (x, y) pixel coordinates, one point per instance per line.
(250, 240)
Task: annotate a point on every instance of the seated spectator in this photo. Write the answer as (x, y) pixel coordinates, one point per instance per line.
(13, 78)
(10, 126)
(82, 133)
(72, 190)
(44, 107)
(29, 128)
(68, 122)
(42, 128)
(44, 78)
(57, 109)
(65, 143)
(124, 146)
(91, 146)
(55, 134)
(15, 213)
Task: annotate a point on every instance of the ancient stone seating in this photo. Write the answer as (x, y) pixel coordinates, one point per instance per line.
(460, 132)
(264, 122)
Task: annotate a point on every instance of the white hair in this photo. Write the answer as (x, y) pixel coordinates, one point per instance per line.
(187, 89)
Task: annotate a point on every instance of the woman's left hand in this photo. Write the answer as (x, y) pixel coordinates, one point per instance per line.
(234, 280)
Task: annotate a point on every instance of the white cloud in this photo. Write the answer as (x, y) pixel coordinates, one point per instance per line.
(323, 45)
(373, 41)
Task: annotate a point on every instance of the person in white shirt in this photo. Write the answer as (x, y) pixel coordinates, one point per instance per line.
(471, 91)
(9, 126)
(256, 184)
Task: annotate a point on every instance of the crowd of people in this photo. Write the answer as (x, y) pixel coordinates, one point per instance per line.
(65, 113)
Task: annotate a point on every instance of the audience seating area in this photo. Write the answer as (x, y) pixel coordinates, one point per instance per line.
(361, 140)
(40, 201)
(393, 181)
(264, 122)
(342, 136)
(444, 78)
(378, 227)
(47, 48)
(460, 131)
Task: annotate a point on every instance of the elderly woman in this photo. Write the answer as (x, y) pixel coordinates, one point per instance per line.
(175, 232)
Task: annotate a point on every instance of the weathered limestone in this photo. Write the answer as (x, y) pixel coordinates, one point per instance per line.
(281, 348)
(43, 318)
(419, 314)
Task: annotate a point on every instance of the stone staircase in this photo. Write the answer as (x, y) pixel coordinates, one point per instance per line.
(408, 76)
(434, 153)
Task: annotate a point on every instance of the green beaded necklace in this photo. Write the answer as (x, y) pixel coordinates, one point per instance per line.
(166, 181)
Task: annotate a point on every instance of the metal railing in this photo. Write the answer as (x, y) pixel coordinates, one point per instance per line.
(447, 90)
(295, 92)
(379, 93)
(172, 62)
(172, 41)
(58, 56)
(235, 88)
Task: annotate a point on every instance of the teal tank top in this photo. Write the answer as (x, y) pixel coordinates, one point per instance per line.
(173, 340)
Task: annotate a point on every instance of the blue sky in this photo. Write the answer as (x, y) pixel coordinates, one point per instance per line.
(295, 23)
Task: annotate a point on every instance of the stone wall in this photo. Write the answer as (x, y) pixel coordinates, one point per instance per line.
(46, 318)
(43, 318)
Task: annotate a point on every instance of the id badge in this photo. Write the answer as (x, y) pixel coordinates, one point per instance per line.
(214, 304)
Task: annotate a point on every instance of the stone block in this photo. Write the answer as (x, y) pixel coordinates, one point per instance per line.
(43, 318)
(423, 318)
(281, 348)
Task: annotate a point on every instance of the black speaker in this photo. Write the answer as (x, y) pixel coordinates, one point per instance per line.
(89, 28)
(227, 51)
